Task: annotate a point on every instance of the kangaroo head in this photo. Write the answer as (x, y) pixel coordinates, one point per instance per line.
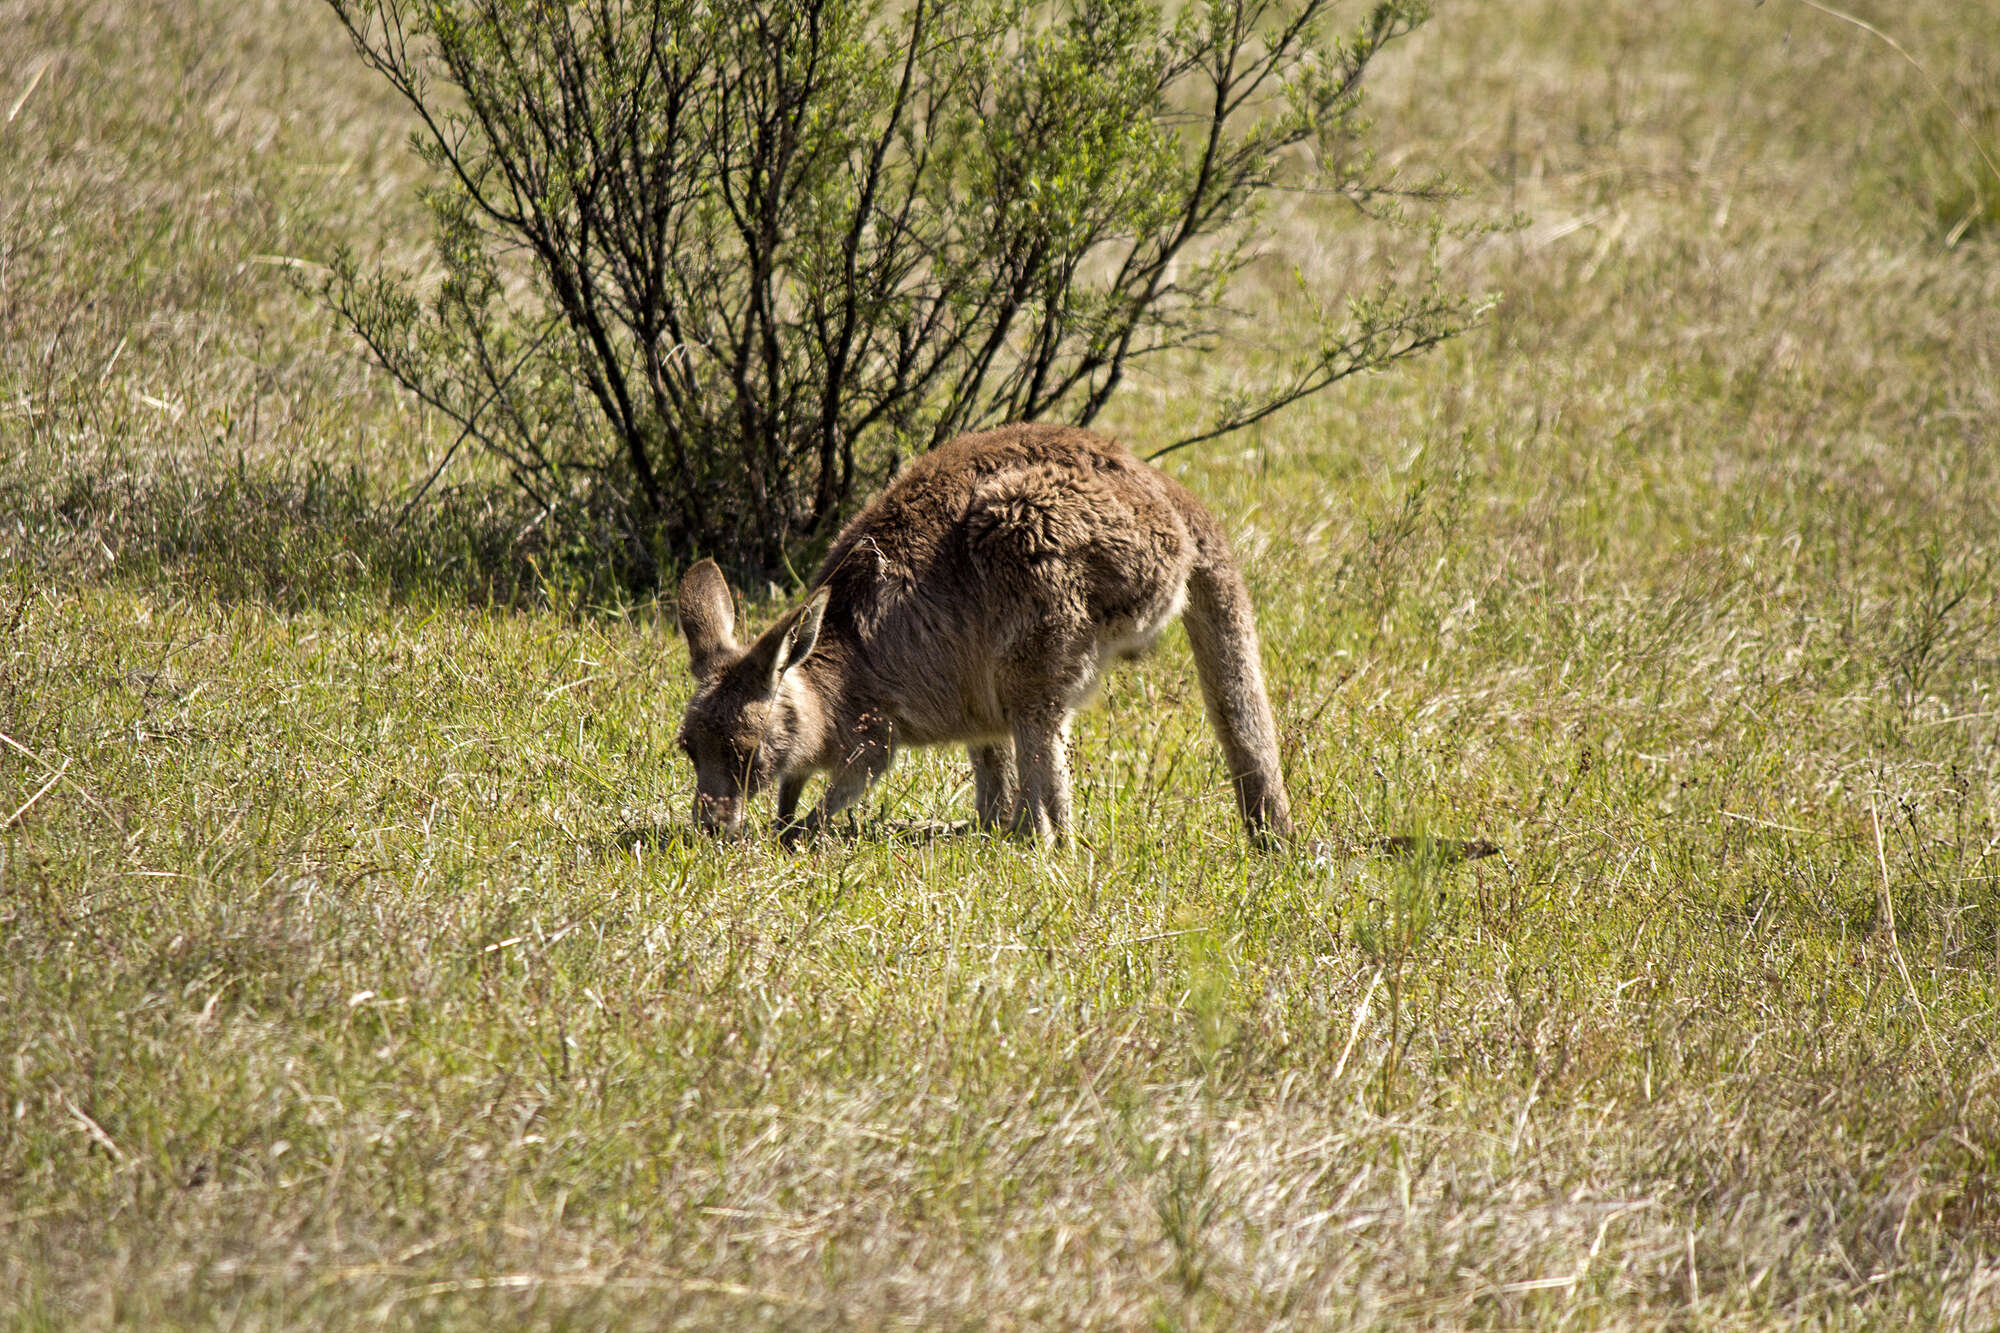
(747, 723)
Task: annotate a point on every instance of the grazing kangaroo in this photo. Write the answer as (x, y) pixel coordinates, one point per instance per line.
(977, 600)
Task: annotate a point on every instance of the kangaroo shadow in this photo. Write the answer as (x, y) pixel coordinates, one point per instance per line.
(671, 835)
(682, 836)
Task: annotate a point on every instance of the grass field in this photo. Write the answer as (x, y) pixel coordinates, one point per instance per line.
(353, 973)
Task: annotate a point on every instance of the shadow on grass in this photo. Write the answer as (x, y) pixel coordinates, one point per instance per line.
(680, 835)
(306, 535)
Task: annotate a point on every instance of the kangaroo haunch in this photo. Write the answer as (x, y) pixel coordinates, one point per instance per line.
(977, 600)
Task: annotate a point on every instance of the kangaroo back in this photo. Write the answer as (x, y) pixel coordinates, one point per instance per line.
(1223, 632)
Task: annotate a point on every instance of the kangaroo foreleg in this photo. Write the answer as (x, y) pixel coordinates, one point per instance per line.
(869, 753)
(789, 792)
(992, 782)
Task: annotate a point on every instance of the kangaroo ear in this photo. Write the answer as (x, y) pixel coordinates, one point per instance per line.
(708, 617)
(805, 634)
(791, 640)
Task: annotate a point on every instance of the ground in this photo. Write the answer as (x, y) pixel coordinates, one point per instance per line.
(354, 970)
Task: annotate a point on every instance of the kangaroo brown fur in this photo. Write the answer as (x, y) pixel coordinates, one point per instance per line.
(977, 600)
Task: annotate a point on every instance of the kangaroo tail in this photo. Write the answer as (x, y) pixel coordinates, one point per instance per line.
(1223, 631)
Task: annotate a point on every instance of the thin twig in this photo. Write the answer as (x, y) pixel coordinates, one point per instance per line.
(29, 91)
(48, 767)
(93, 1130)
(1360, 1017)
(471, 421)
(30, 803)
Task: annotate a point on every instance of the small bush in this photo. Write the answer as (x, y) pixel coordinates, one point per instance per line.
(730, 263)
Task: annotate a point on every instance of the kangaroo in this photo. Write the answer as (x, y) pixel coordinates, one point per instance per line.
(977, 600)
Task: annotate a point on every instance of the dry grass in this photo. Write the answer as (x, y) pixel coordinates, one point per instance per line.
(353, 971)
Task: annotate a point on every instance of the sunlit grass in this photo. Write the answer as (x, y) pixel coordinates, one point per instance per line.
(356, 968)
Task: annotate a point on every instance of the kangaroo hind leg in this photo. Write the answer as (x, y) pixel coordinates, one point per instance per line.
(845, 788)
(1041, 758)
(1223, 633)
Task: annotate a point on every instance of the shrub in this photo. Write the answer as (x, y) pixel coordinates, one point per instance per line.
(729, 263)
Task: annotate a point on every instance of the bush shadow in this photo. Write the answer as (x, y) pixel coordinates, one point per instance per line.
(304, 535)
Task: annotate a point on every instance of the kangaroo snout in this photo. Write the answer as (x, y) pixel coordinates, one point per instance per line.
(718, 814)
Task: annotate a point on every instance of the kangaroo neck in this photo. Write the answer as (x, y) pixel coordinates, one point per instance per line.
(834, 694)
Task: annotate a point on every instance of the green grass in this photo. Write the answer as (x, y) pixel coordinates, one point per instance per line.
(355, 969)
